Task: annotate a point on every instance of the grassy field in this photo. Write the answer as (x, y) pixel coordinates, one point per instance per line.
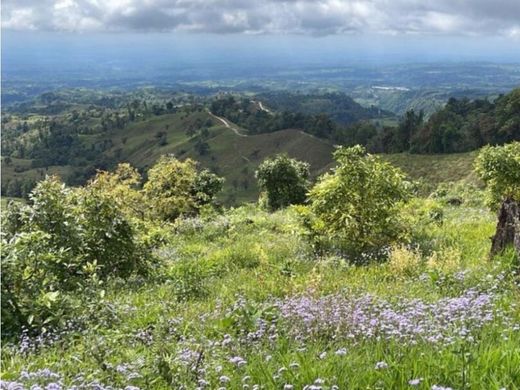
(241, 302)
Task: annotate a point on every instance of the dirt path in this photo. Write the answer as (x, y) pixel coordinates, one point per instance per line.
(228, 124)
(261, 106)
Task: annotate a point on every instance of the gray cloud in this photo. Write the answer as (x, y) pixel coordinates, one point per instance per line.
(319, 17)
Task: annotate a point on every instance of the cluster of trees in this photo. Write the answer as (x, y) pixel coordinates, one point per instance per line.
(355, 210)
(69, 238)
(461, 126)
(352, 210)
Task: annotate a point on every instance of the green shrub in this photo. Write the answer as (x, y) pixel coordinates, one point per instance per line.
(355, 209)
(64, 240)
(283, 180)
(176, 188)
(499, 168)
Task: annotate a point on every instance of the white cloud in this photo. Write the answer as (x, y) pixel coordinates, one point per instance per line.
(317, 17)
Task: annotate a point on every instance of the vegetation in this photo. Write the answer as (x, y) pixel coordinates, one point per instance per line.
(461, 126)
(64, 240)
(353, 211)
(74, 133)
(125, 267)
(242, 298)
(499, 168)
(175, 188)
(283, 180)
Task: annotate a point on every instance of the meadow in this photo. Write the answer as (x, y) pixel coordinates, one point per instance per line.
(240, 300)
(339, 270)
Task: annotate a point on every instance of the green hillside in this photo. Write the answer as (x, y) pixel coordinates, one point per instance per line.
(232, 156)
(74, 138)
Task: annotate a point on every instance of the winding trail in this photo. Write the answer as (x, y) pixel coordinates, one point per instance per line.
(227, 124)
(262, 107)
(236, 130)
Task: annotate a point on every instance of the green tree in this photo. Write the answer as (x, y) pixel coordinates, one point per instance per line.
(283, 180)
(499, 168)
(175, 187)
(354, 209)
(66, 239)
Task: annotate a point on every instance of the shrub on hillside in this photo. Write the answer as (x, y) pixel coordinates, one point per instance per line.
(499, 168)
(355, 209)
(283, 181)
(176, 188)
(62, 241)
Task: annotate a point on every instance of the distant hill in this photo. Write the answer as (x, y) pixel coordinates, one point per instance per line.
(97, 130)
(340, 107)
(141, 143)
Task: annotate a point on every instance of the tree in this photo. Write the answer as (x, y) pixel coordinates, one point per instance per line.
(207, 185)
(66, 239)
(175, 188)
(354, 209)
(283, 180)
(122, 187)
(499, 168)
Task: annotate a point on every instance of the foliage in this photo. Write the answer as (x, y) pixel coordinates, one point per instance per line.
(290, 318)
(64, 240)
(284, 181)
(175, 188)
(499, 168)
(121, 186)
(356, 206)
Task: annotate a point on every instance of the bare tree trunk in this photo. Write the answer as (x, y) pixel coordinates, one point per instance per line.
(508, 228)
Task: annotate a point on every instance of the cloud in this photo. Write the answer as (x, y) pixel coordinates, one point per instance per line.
(314, 17)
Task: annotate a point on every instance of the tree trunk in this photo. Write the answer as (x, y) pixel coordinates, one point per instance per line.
(508, 228)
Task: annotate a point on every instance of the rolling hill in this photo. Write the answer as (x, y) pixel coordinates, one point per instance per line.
(236, 157)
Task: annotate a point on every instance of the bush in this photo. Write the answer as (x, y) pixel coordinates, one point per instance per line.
(499, 168)
(175, 188)
(355, 209)
(66, 239)
(283, 180)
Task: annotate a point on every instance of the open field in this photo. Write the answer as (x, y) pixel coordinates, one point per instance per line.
(240, 299)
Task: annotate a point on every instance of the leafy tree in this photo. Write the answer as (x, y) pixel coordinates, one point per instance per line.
(175, 187)
(354, 209)
(499, 168)
(64, 240)
(122, 187)
(206, 187)
(283, 180)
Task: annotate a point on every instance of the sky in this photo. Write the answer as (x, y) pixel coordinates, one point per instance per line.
(43, 33)
(309, 17)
